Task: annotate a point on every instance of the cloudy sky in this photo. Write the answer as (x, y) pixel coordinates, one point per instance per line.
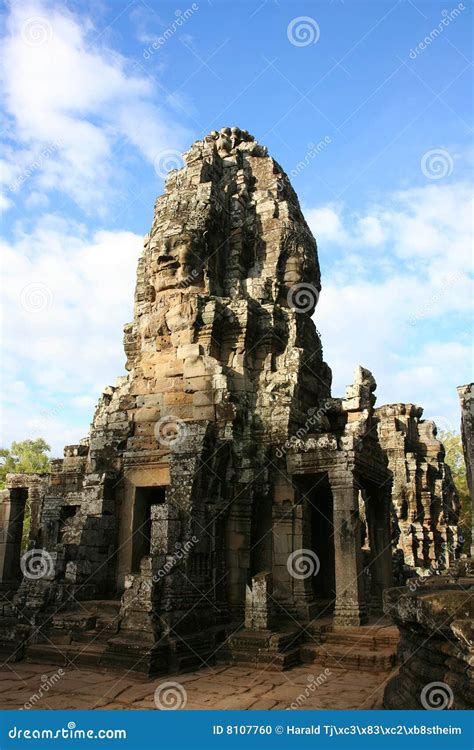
(101, 97)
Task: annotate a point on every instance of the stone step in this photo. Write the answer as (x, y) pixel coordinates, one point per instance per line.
(85, 655)
(94, 614)
(364, 638)
(346, 656)
(10, 651)
(272, 661)
(11, 645)
(104, 606)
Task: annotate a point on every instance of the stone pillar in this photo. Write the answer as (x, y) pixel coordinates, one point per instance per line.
(350, 609)
(378, 522)
(259, 603)
(12, 509)
(466, 397)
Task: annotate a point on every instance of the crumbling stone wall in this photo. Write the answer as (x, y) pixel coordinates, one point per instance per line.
(436, 645)
(425, 503)
(466, 398)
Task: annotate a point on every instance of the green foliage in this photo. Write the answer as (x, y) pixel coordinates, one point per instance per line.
(455, 459)
(27, 456)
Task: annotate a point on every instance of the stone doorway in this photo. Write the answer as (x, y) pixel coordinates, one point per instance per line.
(12, 516)
(321, 518)
(145, 499)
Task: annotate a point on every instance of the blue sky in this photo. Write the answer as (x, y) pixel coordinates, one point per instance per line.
(101, 97)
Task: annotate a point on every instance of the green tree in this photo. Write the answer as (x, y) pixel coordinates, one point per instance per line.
(455, 459)
(27, 456)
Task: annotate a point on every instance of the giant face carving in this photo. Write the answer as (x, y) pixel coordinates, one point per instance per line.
(178, 265)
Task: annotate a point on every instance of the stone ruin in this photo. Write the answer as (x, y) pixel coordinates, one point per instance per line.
(466, 397)
(223, 499)
(435, 617)
(425, 503)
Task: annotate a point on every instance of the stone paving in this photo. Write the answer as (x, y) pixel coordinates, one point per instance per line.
(221, 687)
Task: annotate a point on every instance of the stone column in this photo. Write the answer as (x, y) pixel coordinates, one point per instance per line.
(466, 397)
(350, 609)
(378, 522)
(12, 509)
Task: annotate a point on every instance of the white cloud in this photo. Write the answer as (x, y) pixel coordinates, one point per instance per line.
(393, 298)
(64, 308)
(62, 87)
(325, 223)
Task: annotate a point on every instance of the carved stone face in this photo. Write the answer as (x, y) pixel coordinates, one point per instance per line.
(177, 265)
(293, 270)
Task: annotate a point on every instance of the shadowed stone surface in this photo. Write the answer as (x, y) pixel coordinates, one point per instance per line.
(436, 648)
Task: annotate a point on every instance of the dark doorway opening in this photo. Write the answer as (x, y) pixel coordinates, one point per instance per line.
(322, 541)
(145, 499)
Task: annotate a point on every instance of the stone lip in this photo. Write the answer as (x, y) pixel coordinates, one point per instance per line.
(436, 644)
(435, 604)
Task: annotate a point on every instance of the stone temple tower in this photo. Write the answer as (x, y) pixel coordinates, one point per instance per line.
(220, 470)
